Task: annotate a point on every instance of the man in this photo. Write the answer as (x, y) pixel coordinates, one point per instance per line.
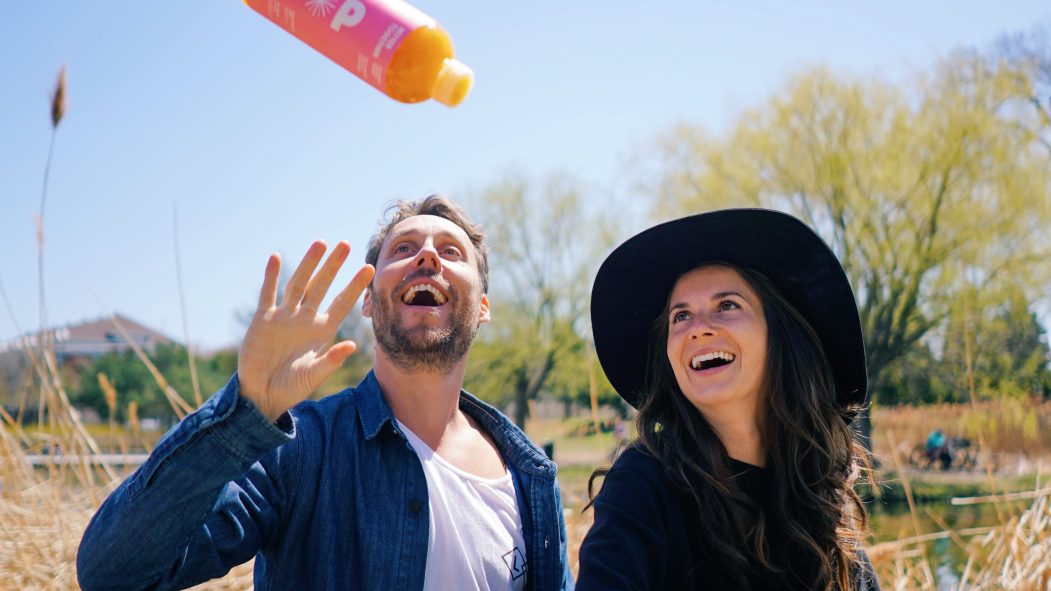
(404, 482)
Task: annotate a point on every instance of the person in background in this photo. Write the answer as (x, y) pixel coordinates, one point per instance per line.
(939, 449)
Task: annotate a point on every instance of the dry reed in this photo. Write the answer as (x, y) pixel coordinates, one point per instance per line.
(1018, 428)
(43, 512)
(1015, 556)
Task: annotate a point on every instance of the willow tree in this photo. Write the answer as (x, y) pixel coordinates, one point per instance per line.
(544, 240)
(924, 189)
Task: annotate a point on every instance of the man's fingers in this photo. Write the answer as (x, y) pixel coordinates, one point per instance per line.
(319, 284)
(333, 359)
(346, 299)
(268, 293)
(297, 284)
(338, 353)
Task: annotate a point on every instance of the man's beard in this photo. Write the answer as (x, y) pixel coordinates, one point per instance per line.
(424, 348)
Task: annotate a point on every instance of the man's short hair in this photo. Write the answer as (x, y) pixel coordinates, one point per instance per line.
(441, 206)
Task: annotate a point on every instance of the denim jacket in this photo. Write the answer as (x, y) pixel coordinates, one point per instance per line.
(332, 497)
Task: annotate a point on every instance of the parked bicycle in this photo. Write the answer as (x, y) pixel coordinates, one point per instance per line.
(946, 453)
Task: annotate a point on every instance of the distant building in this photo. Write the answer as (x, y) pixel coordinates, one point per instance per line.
(76, 345)
(94, 338)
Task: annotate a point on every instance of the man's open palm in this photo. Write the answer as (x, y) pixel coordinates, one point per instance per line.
(288, 350)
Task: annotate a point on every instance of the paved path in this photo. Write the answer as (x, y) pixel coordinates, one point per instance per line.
(62, 459)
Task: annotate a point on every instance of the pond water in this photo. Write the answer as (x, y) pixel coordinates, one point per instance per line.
(893, 522)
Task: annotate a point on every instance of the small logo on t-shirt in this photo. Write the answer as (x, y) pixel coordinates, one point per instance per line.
(516, 561)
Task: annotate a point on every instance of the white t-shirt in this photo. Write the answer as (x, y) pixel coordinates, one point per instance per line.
(475, 540)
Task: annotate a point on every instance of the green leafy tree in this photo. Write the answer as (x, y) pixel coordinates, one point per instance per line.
(14, 369)
(133, 381)
(1008, 350)
(221, 363)
(358, 329)
(544, 239)
(917, 377)
(921, 188)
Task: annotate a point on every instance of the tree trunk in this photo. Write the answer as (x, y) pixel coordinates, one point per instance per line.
(521, 399)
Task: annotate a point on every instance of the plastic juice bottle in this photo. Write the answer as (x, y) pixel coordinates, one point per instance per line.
(387, 43)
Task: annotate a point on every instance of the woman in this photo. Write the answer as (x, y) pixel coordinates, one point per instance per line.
(736, 335)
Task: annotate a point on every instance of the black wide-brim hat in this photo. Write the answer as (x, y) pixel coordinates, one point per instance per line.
(635, 281)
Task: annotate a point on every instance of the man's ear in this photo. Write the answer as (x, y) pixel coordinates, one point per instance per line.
(483, 310)
(366, 303)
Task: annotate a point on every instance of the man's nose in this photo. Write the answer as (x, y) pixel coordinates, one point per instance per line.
(428, 257)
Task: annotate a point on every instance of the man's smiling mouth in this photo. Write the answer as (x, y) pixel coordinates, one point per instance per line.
(423, 294)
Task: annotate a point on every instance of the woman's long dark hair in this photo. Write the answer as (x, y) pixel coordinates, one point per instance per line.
(812, 459)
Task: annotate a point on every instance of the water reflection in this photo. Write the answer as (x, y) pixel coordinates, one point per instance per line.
(894, 522)
(947, 579)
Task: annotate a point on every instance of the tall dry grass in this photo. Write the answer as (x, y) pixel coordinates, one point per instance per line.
(1015, 555)
(43, 511)
(1015, 432)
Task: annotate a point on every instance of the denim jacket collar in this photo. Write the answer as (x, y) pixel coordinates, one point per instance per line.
(373, 409)
(520, 452)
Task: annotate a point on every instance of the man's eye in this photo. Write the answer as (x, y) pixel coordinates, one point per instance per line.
(401, 248)
(452, 251)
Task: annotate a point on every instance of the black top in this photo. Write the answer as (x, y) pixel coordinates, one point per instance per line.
(645, 534)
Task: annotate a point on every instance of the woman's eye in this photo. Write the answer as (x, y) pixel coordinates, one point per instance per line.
(679, 316)
(728, 305)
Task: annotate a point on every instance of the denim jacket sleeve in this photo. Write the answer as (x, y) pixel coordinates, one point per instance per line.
(568, 583)
(208, 498)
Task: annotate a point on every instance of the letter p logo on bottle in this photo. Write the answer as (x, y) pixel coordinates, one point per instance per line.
(349, 14)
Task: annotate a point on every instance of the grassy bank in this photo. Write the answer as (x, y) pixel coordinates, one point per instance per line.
(937, 487)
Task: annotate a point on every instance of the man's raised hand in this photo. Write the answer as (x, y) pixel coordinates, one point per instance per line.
(288, 350)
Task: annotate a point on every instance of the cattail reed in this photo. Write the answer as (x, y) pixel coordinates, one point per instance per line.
(58, 98)
(111, 399)
(58, 111)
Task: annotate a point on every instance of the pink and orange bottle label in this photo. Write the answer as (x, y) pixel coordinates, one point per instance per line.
(360, 35)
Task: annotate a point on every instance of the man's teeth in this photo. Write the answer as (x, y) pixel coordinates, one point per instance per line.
(410, 294)
(696, 362)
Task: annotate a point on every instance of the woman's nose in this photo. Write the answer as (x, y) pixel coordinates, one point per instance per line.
(702, 327)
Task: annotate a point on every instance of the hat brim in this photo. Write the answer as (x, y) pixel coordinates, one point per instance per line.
(633, 284)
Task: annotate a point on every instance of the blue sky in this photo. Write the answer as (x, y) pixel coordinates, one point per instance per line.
(264, 145)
